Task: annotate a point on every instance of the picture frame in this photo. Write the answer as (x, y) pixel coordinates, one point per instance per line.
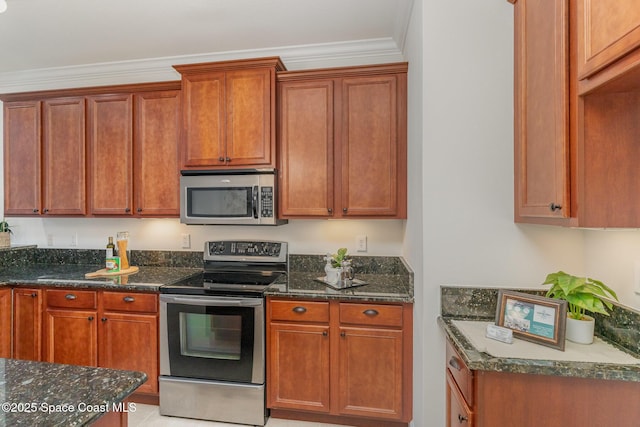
(533, 318)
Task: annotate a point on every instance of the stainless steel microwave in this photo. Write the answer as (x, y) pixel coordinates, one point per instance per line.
(229, 197)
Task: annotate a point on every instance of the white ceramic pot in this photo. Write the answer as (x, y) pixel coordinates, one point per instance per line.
(333, 275)
(580, 331)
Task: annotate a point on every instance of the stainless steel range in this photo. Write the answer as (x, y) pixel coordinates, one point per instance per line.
(212, 334)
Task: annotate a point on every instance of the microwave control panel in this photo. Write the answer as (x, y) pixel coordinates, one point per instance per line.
(266, 202)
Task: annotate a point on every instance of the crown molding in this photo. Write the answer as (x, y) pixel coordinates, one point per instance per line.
(361, 52)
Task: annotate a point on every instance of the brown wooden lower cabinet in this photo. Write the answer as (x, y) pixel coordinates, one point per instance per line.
(493, 399)
(27, 324)
(340, 361)
(5, 322)
(116, 330)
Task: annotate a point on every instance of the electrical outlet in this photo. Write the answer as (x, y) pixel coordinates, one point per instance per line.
(49, 239)
(74, 239)
(361, 243)
(186, 240)
(636, 277)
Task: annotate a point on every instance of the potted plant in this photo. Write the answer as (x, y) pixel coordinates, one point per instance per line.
(583, 295)
(333, 269)
(5, 232)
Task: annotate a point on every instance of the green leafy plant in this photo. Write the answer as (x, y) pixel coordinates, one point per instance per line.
(581, 293)
(4, 227)
(337, 258)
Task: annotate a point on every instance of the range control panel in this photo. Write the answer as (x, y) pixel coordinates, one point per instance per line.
(245, 249)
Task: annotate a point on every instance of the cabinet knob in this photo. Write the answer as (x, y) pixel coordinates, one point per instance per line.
(104, 319)
(33, 295)
(330, 210)
(453, 362)
(370, 312)
(554, 207)
(70, 297)
(227, 159)
(325, 333)
(344, 210)
(90, 318)
(462, 419)
(127, 210)
(299, 309)
(45, 210)
(221, 159)
(139, 209)
(35, 210)
(128, 299)
(343, 334)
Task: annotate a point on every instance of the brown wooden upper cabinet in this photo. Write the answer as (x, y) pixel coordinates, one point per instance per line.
(342, 138)
(609, 30)
(576, 149)
(228, 114)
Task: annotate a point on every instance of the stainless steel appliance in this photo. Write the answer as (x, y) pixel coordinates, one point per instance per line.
(212, 334)
(229, 197)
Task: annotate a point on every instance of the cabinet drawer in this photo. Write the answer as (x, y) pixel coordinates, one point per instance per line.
(460, 373)
(300, 311)
(70, 298)
(371, 314)
(458, 413)
(130, 301)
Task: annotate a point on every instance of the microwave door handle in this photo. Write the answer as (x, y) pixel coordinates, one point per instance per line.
(255, 201)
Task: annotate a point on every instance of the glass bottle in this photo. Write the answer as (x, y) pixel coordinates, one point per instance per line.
(110, 248)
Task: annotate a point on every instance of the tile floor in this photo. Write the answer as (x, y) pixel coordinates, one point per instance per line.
(148, 416)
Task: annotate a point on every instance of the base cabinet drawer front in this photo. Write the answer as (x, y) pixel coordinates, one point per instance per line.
(130, 302)
(458, 413)
(62, 298)
(130, 342)
(371, 314)
(460, 373)
(299, 311)
(70, 337)
(27, 324)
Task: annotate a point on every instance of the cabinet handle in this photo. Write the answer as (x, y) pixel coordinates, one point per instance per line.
(325, 333)
(553, 207)
(127, 210)
(370, 312)
(128, 299)
(139, 209)
(330, 210)
(35, 210)
(90, 318)
(227, 159)
(45, 210)
(343, 334)
(299, 309)
(453, 362)
(221, 159)
(104, 319)
(70, 297)
(33, 295)
(462, 419)
(344, 210)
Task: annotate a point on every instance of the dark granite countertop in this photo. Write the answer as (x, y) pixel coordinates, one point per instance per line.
(380, 288)
(464, 303)
(147, 279)
(49, 394)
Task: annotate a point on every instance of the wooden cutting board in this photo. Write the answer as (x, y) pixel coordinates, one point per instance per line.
(104, 272)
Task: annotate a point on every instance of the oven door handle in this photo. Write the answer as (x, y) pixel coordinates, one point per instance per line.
(220, 302)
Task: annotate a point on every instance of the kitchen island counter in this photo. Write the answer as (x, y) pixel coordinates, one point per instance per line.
(40, 393)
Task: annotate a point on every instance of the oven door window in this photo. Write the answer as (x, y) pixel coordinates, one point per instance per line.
(220, 202)
(209, 342)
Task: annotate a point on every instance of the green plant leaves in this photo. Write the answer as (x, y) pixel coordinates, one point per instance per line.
(581, 293)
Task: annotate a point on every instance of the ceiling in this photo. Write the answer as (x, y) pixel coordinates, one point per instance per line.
(45, 34)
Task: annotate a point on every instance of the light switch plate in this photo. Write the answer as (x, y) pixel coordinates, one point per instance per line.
(361, 243)
(186, 240)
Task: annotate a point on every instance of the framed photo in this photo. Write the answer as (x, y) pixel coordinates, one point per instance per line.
(533, 318)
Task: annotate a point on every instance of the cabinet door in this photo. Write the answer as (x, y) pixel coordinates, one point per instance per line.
(5, 323)
(541, 110)
(371, 147)
(110, 124)
(22, 158)
(458, 413)
(306, 148)
(157, 170)
(203, 120)
(607, 30)
(250, 119)
(298, 367)
(130, 342)
(71, 337)
(27, 321)
(370, 372)
(63, 146)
